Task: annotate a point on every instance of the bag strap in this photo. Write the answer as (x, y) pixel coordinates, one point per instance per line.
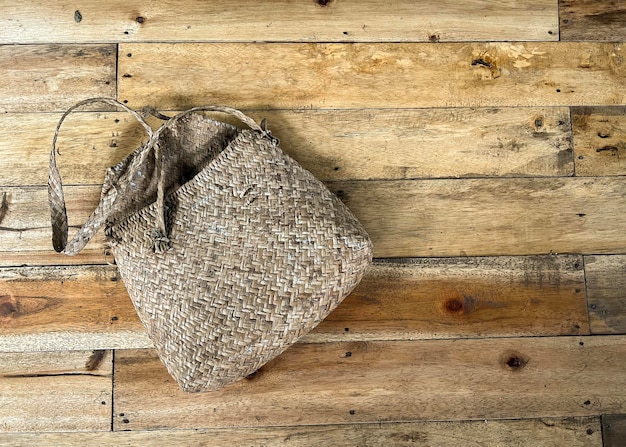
(56, 196)
(98, 217)
(160, 239)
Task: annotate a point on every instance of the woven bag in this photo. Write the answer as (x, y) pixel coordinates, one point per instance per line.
(229, 249)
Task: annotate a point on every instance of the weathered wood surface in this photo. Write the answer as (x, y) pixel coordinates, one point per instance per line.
(333, 144)
(387, 381)
(45, 78)
(571, 432)
(462, 297)
(25, 225)
(593, 20)
(606, 293)
(466, 217)
(599, 140)
(485, 217)
(388, 75)
(61, 308)
(47, 308)
(55, 391)
(614, 430)
(281, 20)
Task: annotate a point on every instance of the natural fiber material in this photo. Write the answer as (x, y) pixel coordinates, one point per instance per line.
(229, 249)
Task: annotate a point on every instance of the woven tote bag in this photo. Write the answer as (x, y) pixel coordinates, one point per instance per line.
(229, 249)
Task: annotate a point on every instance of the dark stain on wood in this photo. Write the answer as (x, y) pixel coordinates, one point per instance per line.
(95, 360)
(612, 149)
(13, 307)
(7, 308)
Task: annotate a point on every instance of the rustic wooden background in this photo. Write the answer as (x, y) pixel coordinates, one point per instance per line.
(481, 143)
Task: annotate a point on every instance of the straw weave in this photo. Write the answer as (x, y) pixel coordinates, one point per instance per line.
(256, 251)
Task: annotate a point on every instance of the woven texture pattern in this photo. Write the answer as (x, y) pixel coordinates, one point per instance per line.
(258, 253)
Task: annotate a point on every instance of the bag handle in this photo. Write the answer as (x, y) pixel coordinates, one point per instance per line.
(56, 197)
(98, 217)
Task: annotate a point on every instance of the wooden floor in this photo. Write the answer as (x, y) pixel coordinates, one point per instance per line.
(481, 143)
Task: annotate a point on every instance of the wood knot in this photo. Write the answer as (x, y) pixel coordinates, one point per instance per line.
(459, 305)
(454, 305)
(7, 308)
(514, 361)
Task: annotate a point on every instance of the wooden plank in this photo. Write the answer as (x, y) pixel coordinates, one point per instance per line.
(333, 144)
(614, 430)
(485, 217)
(37, 78)
(462, 297)
(387, 75)
(88, 143)
(606, 293)
(416, 218)
(55, 391)
(593, 20)
(335, 383)
(59, 308)
(599, 140)
(25, 231)
(280, 20)
(572, 432)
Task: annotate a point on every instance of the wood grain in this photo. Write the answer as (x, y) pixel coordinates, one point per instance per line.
(416, 218)
(387, 381)
(606, 293)
(60, 308)
(25, 231)
(462, 297)
(486, 217)
(333, 144)
(572, 432)
(614, 430)
(43, 78)
(280, 20)
(387, 75)
(88, 144)
(55, 391)
(593, 20)
(599, 140)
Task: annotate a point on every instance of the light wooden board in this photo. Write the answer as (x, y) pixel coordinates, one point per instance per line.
(25, 224)
(372, 75)
(606, 290)
(43, 78)
(55, 391)
(281, 20)
(490, 216)
(61, 308)
(466, 217)
(333, 144)
(571, 432)
(593, 20)
(599, 140)
(614, 430)
(48, 308)
(334, 383)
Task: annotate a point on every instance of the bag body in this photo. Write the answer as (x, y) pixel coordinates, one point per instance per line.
(229, 249)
